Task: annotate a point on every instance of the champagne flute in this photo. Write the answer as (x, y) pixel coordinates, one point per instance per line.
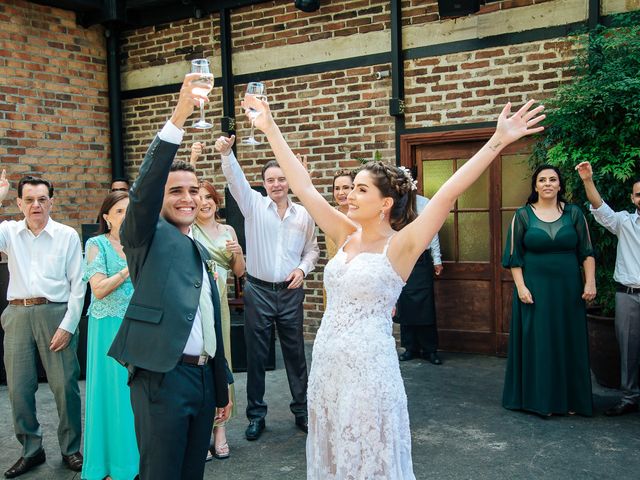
(202, 86)
(258, 90)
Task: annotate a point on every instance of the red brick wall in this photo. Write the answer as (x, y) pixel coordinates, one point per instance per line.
(474, 86)
(170, 43)
(340, 116)
(53, 108)
(277, 23)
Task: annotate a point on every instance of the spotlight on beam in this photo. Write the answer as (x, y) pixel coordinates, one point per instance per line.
(457, 8)
(308, 5)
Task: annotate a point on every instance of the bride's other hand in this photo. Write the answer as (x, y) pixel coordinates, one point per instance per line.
(263, 120)
(511, 128)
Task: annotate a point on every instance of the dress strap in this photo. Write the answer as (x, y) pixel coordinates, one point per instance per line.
(386, 245)
(346, 241)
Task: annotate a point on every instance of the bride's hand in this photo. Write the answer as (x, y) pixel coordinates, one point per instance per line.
(520, 124)
(263, 120)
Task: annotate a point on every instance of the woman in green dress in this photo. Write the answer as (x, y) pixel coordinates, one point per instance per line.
(548, 364)
(222, 243)
(110, 447)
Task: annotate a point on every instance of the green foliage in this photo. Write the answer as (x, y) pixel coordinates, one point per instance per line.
(596, 118)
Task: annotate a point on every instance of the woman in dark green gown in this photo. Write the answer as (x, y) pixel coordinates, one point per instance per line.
(548, 364)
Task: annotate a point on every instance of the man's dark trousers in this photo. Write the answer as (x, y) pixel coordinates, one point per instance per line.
(263, 307)
(153, 399)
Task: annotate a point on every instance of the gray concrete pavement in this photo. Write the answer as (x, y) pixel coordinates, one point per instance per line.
(459, 431)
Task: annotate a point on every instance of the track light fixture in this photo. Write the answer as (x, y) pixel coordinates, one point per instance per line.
(308, 5)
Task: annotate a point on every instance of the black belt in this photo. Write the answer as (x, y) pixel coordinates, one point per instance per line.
(625, 289)
(194, 359)
(275, 286)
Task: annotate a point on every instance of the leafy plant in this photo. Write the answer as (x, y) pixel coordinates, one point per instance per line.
(596, 118)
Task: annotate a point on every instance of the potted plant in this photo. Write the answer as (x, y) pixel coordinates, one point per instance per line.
(596, 118)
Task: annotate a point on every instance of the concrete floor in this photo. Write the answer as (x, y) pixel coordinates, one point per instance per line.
(459, 431)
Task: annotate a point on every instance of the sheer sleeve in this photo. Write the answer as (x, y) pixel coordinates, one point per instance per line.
(584, 247)
(513, 255)
(94, 260)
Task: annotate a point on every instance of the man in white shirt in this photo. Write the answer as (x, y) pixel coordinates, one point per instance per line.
(282, 249)
(46, 295)
(625, 226)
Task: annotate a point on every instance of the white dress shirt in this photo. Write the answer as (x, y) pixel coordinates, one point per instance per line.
(275, 246)
(195, 343)
(626, 226)
(49, 266)
(434, 246)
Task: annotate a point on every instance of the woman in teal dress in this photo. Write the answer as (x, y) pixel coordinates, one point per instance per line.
(222, 243)
(110, 447)
(548, 364)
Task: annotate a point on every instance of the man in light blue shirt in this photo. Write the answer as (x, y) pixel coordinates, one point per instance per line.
(625, 226)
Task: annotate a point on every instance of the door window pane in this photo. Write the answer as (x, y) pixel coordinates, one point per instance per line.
(474, 236)
(516, 180)
(447, 239)
(434, 174)
(477, 195)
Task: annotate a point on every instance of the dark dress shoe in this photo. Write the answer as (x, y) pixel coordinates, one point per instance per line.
(433, 358)
(254, 430)
(73, 461)
(407, 355)
(24, 464)
(302, 422)
(621, 409)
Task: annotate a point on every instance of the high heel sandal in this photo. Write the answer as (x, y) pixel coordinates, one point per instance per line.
(221, 451)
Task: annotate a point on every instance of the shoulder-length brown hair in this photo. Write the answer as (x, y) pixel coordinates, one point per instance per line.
(109, 201)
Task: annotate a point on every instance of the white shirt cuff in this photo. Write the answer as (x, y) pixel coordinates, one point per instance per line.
(170, 133)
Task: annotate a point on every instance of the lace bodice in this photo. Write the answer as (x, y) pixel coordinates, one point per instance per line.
(367, 288)
(109, 263)
(358, 419)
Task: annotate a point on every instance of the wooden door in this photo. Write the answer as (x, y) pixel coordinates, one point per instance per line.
(473, 294)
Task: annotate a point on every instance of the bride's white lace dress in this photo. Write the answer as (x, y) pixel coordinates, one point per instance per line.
(358, 419)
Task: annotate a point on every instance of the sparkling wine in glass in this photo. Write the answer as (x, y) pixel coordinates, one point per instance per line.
(202, 85)
(258, 90)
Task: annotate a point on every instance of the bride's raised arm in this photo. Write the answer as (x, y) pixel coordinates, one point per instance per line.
(413, 239)
(333, 223)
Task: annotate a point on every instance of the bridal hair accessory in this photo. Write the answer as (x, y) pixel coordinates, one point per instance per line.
(407, 174)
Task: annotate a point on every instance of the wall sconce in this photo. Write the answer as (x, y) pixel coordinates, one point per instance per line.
(383, 74)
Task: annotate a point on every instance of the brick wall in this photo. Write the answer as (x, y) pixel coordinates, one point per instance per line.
(474, 86)
(170, 43)
(53, 108)
(278, 23)
(337, 117)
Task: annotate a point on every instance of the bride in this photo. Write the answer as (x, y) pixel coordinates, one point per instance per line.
(358, 418)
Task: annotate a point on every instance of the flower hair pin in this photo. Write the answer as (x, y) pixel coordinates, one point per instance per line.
(407, 174)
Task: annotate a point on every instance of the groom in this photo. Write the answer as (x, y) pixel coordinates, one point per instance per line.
(171, 338)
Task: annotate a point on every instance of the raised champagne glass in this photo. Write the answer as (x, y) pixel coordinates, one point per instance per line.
(258, 90)
(202, 85)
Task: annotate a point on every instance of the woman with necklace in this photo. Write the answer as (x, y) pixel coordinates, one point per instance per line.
(548, 363)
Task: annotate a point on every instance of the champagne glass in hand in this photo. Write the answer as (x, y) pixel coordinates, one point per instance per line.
(258, 90)
(202, 85)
